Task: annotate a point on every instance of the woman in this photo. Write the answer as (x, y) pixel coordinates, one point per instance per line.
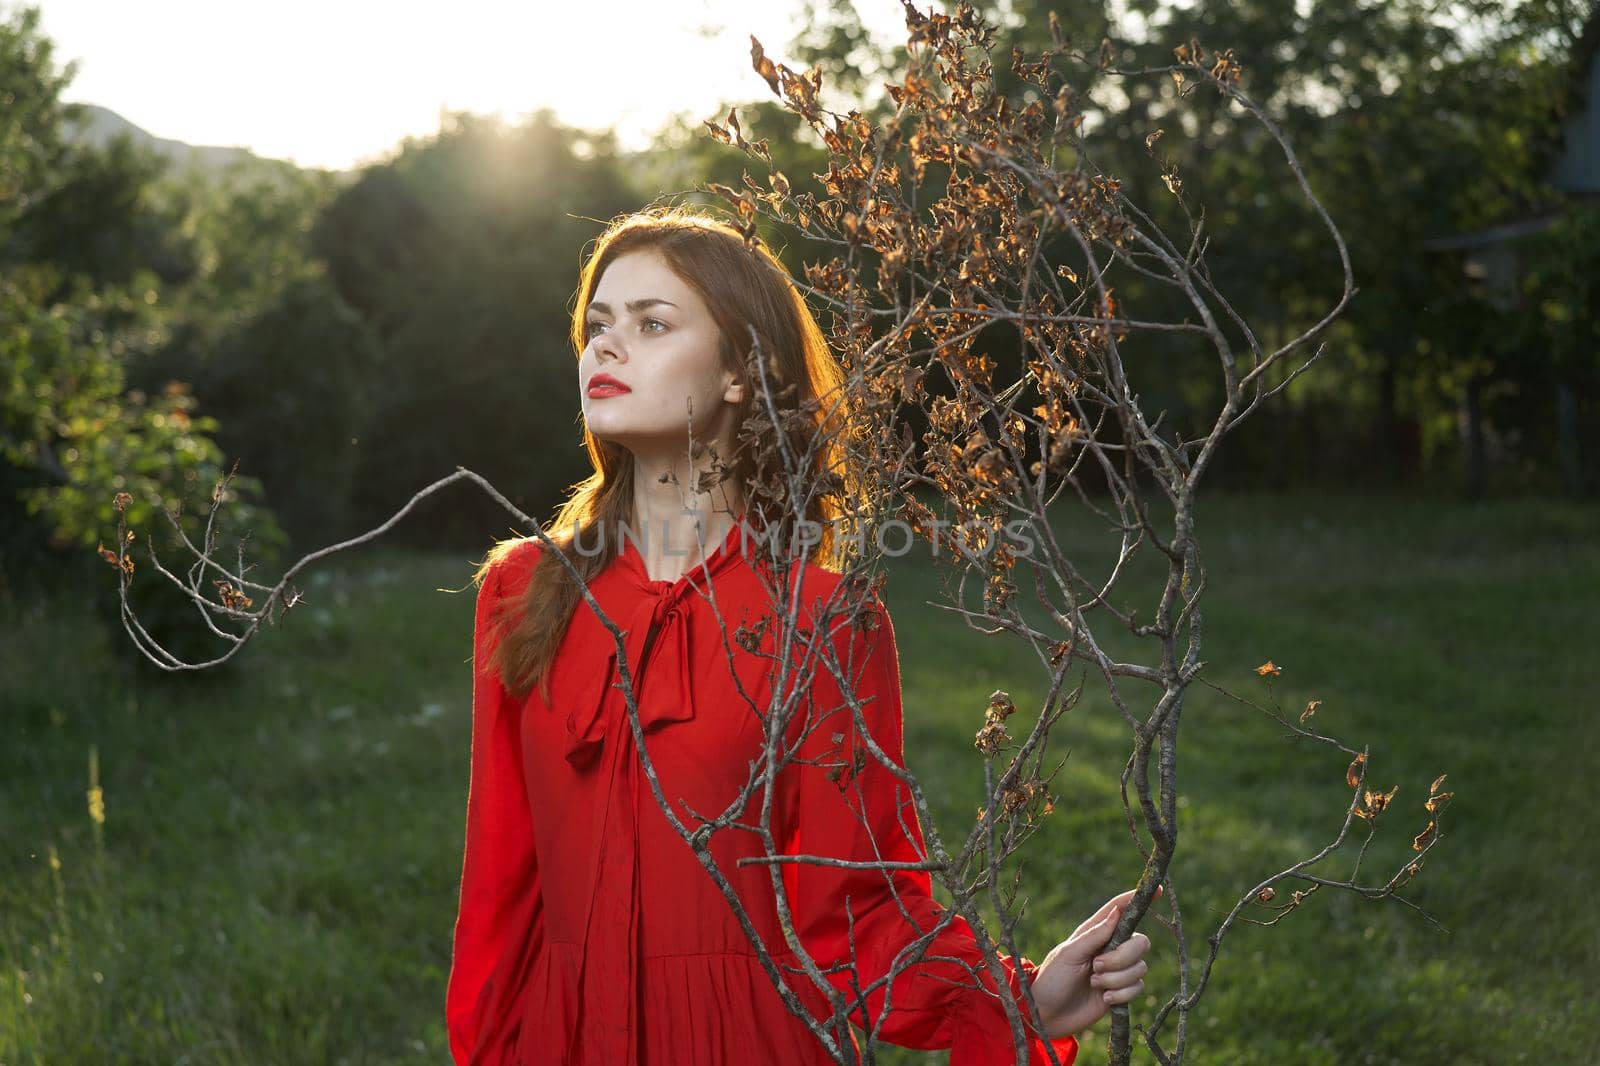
(587, 931)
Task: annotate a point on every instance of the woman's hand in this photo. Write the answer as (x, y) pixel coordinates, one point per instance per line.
(1075, 986)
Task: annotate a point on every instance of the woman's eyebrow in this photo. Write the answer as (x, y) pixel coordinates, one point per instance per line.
(632, 305)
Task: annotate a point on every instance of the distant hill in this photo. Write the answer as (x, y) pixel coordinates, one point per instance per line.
(100, 124)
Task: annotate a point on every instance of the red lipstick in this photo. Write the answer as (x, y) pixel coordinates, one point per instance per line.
(604, 384)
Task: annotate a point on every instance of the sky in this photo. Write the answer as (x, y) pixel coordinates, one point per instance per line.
(335, 83)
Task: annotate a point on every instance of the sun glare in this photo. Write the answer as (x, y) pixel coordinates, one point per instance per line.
(335, 85)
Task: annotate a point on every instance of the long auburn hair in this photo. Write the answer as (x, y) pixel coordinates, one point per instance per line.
(743, 286)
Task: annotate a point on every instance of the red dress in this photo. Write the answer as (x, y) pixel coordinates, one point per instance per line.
(589, 935)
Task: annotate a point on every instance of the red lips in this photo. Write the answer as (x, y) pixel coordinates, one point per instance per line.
(603, 384)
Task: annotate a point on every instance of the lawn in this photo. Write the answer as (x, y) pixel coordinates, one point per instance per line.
(274, 879)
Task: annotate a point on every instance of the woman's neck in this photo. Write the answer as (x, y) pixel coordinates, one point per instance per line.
(666, 517)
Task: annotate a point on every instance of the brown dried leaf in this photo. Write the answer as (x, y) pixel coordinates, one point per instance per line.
(1352, 776)
(1423, 838)
(233, 598)
(763, 65)
(123, 562)
(1377, 801)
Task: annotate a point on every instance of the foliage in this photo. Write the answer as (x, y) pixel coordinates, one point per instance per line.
(460, 255)
(88, 247)
(1416, 122)
(74, 441)
(30, 135)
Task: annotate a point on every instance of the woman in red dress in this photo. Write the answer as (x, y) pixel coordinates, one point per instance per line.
(589, 931)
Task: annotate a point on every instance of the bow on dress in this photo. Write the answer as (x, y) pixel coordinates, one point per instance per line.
(602, 709)
(658, 623)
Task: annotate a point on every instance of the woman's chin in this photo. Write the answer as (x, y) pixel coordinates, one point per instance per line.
(625, 437)
(606, 428)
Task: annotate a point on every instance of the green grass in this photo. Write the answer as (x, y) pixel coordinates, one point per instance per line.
(275, 878)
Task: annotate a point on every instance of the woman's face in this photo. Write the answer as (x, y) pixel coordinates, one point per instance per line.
(650, 331)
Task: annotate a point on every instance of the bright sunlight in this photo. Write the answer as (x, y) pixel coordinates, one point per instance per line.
(336, 84)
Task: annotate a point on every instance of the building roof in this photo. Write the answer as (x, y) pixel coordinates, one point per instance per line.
(1551, 148)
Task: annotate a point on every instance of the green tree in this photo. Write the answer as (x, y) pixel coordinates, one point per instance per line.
(269, 348)
(1412, 122)
(461, 255)
(76, 298)
(30, 130)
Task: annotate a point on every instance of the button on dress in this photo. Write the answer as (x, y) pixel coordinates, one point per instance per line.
(588, 933)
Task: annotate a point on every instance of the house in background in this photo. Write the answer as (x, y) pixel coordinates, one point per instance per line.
(1493, 258)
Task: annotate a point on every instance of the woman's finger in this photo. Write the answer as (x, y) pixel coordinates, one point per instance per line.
(1123, 995)
(1124, 897)
(1123, 955)
(1119, 978)
(1107, 914)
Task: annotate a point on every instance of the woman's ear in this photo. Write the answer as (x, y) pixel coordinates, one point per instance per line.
(734, 393)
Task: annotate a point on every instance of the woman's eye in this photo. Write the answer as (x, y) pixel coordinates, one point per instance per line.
(591, 327)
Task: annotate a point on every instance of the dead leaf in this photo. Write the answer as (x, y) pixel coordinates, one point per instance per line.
(763, 65)
(1423, 838)
(1352, 776)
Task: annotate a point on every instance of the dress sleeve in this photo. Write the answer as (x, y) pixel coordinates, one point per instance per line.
(499, 897)
(933, 1003)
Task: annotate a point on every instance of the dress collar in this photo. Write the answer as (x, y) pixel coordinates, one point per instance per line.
(719, 557)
